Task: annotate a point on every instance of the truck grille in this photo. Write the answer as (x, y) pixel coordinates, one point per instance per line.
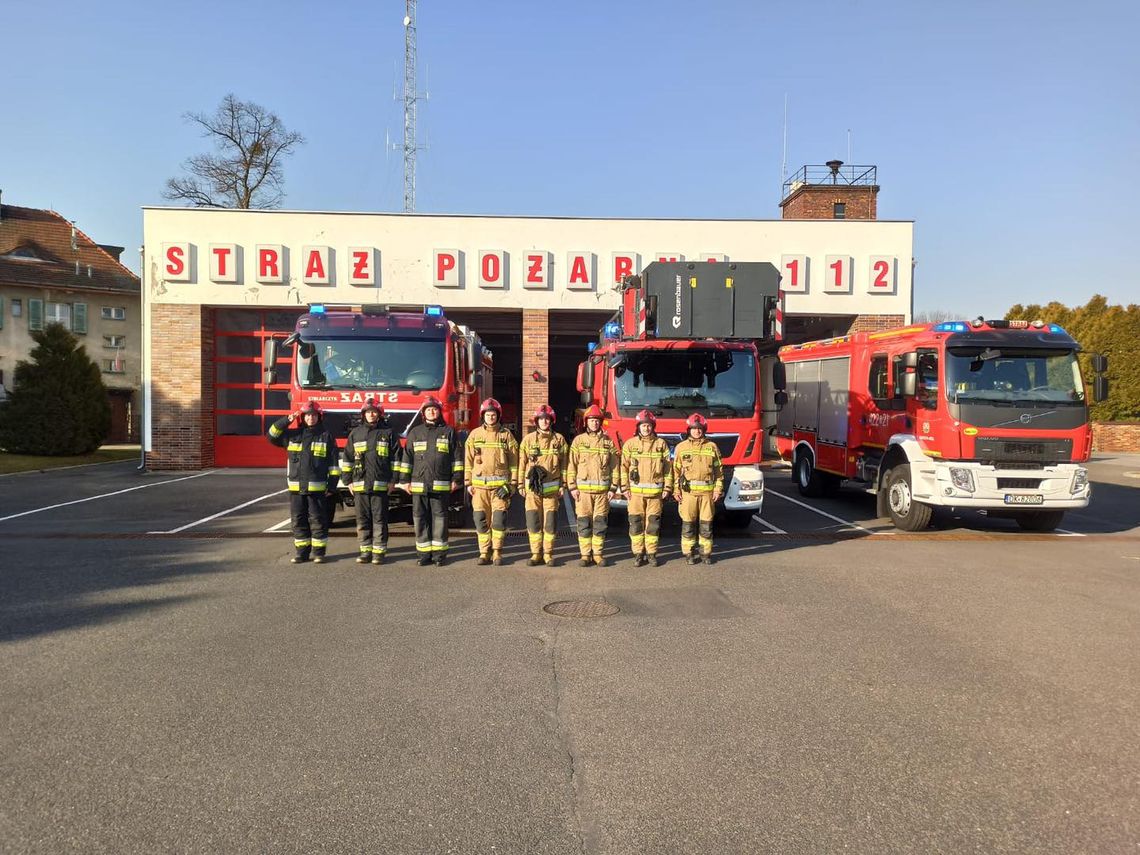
(725, 442)
(1018, 483)
(340, 423)
(993, 449)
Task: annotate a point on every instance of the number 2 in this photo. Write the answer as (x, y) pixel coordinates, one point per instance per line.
(882, 268)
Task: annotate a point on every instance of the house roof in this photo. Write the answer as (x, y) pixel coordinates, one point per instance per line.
(37, 250)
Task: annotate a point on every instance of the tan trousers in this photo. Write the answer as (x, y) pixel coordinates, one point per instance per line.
(592, 511)
(541, 522)
(696, 522)
(644, 522)
(490, 513)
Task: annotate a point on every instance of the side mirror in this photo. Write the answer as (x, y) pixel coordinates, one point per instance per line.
(781, 397)
(909, 383)
(478, 379)
(585, 397)
(585, 376)
(779, 376)
(1100, 388)
(1099, 363)
(269, 360)
(910, 360)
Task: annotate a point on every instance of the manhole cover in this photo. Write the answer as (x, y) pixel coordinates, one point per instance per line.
(581, 608)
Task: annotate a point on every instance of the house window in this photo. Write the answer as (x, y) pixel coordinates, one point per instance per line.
(17, 307)
(113, 366)
(114, 341)
(57, 313)
(114, 313)
(839, 211)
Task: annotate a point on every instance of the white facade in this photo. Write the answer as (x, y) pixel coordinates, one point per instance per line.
(291, 258)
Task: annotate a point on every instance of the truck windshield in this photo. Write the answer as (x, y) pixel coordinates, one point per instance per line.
(360, 363)
(673, 383)
(1013, 376)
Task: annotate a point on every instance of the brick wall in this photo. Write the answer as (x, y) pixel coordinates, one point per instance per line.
(876, 322)
(535, 358)
(817, 202)
(182, 394)
(1118, 437)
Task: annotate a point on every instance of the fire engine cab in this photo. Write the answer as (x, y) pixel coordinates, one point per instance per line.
(970, 414)
(685, 342)
(396, 354)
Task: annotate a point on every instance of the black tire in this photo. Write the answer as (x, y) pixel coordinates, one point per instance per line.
(808, 481)
(906, 513)
(1040, 520)
(738, 519)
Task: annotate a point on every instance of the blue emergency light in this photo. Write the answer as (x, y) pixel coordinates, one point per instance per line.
(951, 326)
(434, 311)
(591, 346)
(316, 310)
(1057, 329)
(612, 330)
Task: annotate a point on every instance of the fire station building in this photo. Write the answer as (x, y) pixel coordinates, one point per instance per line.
(217, 282)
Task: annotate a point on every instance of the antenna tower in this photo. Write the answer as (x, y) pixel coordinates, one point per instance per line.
(411, 96)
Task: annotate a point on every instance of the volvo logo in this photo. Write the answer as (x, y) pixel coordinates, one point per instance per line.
(1026, 418)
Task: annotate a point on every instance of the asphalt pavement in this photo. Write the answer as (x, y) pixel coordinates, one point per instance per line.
(172, 683)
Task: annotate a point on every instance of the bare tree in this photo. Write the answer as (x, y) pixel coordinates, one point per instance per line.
(934, 316)
(245, 171)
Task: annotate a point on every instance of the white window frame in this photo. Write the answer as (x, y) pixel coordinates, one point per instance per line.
(117, 341)
(114, 366)
(17, 307)
(114, 313)
(52, 314)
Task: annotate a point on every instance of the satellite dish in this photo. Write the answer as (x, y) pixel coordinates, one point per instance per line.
(407, 20)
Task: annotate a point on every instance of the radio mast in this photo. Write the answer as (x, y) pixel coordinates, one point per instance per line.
(411, 96)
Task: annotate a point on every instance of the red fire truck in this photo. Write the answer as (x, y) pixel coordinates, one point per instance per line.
(979, 414)
(684, 342)
(396, 354)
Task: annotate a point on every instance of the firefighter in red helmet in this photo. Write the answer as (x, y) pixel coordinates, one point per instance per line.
(646, 480)
(492, 459)
(431, 467)
(312, 475)
(541, 477)
(592, 478)
(699, 479)
(371, 454)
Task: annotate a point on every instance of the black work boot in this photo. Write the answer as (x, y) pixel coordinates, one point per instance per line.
(439, 559)
(694, 558)
(300, 558)
(706, 558)
(534, 561)
(640, 560)
(377, 557)
(654, 560)
(424, 559)
(599, 561)
(498, 559)
(484, 559)
(318, 556)
(363, 558)
(586, 561)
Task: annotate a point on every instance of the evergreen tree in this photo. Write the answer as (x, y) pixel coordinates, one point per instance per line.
(58, 404)
(1100, 328)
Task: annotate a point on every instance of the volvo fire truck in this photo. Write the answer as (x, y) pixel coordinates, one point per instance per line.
(684, 342)
(982, 414)
(398, 355)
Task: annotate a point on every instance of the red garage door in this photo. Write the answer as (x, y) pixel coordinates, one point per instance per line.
(244, 407)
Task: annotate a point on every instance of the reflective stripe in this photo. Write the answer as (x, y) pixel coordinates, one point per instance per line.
(360, 447)
(646, 488)
(379, 485)
(549, 487)
(293, 446)
(401, 467)
(484, 443)
(423, 547)
(419, 445)
(275, 431)
(300, 542)
(489, 480)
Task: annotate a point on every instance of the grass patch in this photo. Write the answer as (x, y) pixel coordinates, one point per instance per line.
(10, 463)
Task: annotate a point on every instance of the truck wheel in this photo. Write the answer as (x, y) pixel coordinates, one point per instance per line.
(738, 519)
(808, 481)
(1040, 520)
(904, 511)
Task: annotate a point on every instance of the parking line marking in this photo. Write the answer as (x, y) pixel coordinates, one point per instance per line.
(220, 513)
(1066, 533)
(818, 511)
(775, 529)
(279, 526)
(104, 495)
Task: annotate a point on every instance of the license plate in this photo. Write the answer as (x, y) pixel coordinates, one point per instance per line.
(1024, 499)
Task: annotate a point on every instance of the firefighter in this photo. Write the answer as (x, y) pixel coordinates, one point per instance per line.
(592, 477)
(372, 451)
(492, 460)
(699, 479)
(541, 476)
(431, 468)
(646, 480)
(312, 475)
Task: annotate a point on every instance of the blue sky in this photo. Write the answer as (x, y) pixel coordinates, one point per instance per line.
(1009, 131)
